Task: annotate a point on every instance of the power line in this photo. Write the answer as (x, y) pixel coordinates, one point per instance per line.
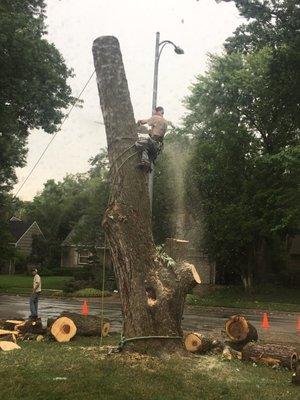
(54, 136)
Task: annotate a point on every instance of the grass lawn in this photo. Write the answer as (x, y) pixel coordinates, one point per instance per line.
(267, 297)
(19, 284)
(79, 370)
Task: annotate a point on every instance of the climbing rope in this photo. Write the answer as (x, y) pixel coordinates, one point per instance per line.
(124, 340)
(103, 287)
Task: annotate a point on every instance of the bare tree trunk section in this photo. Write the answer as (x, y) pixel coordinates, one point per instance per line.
(152, 292)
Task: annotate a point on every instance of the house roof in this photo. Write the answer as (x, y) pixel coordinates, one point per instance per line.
(18, 228)
(70, 240)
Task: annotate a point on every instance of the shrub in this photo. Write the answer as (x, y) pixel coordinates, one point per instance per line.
(90, 292)
(62, 271)
(72, 285)
(84, 273)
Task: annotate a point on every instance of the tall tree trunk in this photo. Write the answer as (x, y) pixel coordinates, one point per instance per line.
(152, 292)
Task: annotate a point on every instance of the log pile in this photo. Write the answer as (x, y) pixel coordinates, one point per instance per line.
(242, 344)
(62, 328)
(13, 330)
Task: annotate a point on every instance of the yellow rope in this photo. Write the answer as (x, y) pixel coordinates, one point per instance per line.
(103, 287)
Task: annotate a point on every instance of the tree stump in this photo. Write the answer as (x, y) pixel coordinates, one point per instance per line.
(152, 292)
(271, 354)
(240, 332)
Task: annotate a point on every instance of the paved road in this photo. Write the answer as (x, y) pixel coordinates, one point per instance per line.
(202, 319)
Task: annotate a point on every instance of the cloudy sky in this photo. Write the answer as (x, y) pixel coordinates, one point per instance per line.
(199, 27)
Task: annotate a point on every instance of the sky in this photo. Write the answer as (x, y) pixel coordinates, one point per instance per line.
(198, 26)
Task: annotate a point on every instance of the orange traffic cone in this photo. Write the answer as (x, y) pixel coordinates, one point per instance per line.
(265, 321)
(298, 325)
(85, 308)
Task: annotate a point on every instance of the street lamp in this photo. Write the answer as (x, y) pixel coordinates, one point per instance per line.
(159, 46)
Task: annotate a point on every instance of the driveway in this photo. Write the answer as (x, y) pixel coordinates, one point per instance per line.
(208, 320)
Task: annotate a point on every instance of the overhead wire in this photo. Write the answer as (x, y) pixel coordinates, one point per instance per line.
(54, 136)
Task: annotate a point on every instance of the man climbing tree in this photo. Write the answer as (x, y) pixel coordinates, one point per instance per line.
(151, 146)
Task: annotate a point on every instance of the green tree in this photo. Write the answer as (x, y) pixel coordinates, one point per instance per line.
(246, 163)
(33, 88)
(245, 115)
(78, 201)
(271, 23)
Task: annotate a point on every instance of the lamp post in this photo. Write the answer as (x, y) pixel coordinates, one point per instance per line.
(159, 46)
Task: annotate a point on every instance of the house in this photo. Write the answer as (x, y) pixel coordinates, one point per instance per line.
(293, 260)
(75, 255)
(22, 234)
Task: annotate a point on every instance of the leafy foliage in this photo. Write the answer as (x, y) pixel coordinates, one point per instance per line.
(78, 201)
(33, 88)
(245, 115)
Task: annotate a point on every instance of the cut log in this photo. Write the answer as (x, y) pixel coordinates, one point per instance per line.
(15, 321)
(240, 332)
(8, 346)
(11, 324)
(87, 325)
(31, 326)
(63, 329)
(32, 336)
(271, 354)
(8, 332)
(197, 343)
(9, 338)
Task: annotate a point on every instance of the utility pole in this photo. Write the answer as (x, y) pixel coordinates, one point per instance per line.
(154, 104)
(158, 52)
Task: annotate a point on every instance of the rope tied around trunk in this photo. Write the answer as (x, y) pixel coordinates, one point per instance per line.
(124, 340)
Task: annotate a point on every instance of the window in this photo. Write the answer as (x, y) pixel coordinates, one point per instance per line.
(84, 257)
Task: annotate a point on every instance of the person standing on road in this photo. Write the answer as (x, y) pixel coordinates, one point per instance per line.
(36, 291)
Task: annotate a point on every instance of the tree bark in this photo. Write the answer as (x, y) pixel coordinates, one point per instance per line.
(34, 327)
(271, 354)
(152, 292)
